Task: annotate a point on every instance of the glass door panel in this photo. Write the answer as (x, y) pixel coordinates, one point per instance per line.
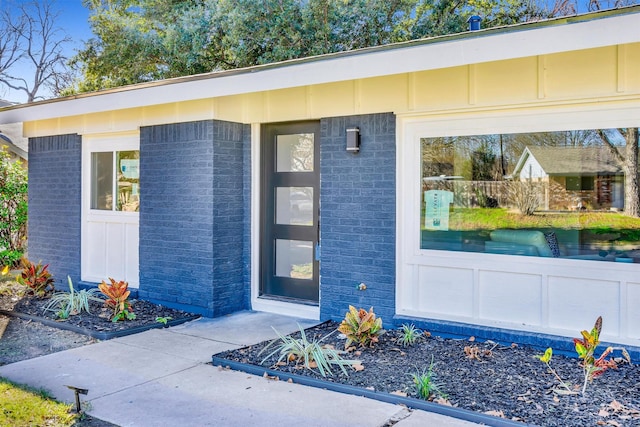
(294, 258)
(294, 205)
(295, 153)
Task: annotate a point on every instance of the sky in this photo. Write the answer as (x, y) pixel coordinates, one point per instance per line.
(73, 19)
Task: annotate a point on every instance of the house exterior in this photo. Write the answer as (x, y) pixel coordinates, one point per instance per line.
(241, 189)
(576, 177)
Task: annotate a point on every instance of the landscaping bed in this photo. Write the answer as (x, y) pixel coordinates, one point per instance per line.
(96, 323)
(503, 381)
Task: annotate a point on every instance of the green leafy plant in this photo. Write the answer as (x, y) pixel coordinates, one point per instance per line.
(546, 359)
(36, 277)
(410, 334)
(117, 294)
(163, 320)
(361, 326)
(74, 302)
(311, 354)
(585, 348)
(13, 208)
(10, 257)
(425, 384)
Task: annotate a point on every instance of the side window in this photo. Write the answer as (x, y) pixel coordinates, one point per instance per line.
(115, 181)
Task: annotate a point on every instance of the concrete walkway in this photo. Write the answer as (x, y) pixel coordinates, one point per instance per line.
(162, 378)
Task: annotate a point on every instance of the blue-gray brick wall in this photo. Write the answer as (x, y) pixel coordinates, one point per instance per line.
(358, 224)
(192, 216)
(247, 216)
(55, 204)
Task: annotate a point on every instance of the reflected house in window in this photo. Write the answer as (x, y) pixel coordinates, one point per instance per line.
(575, 178)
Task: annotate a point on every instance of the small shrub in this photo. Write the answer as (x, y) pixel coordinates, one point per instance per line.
(74, 302)
(410, 335)
(585, 348)
(36, 277)
(117, 299)
(425, 384)
(163, 320)
(10, 258)
(13, 205)
(361, 326)
(310, 354)
(525, 195)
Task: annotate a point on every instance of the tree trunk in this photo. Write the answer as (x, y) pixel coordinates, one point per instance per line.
(630, 168)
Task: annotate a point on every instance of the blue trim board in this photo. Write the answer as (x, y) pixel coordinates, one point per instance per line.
(457, 330)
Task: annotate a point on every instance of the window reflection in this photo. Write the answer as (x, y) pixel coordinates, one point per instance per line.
(294, 153)
(562, 194)
(123, 176)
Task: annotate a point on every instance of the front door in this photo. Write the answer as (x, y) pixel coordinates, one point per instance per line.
(290, 195)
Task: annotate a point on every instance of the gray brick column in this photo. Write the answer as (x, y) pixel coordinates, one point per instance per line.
(192, 216)
(55, 180)
(357, 216)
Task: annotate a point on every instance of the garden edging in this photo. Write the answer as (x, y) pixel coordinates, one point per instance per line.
(100, 335)
(449, 411)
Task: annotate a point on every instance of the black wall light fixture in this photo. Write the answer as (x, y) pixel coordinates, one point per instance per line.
(353, 140)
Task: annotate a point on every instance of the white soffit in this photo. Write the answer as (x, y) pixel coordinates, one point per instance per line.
(566, 34)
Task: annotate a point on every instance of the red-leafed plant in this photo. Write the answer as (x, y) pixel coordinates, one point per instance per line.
(117, 299)
(585, 348)
(36, 277)
(361, 326)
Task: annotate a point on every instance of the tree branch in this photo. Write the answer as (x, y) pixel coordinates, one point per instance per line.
(619, 158)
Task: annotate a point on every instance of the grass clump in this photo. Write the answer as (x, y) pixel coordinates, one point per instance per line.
(310, 354)
(410, 335)
(25, 407)
(74, 302)
(425, 383)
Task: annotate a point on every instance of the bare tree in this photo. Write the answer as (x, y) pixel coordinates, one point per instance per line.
(628, 162)
(36, 44)
(10, 28)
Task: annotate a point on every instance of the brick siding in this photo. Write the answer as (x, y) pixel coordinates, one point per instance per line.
(192, 216)
(55, 181)
(358, 224)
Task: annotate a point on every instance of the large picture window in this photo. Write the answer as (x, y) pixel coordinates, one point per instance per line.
(570, 194)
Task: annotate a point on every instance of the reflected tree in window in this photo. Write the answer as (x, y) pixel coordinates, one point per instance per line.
(579, 185)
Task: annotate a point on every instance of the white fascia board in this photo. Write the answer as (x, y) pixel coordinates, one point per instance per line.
(448, 51)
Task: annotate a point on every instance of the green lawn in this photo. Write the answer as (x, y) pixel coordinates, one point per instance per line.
(21, 406)
(622, 227)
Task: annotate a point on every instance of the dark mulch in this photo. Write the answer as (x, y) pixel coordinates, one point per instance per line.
(98, 317)
(501, 380)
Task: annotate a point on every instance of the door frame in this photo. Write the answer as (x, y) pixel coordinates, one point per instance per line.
(118, 253)
(262, 304)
